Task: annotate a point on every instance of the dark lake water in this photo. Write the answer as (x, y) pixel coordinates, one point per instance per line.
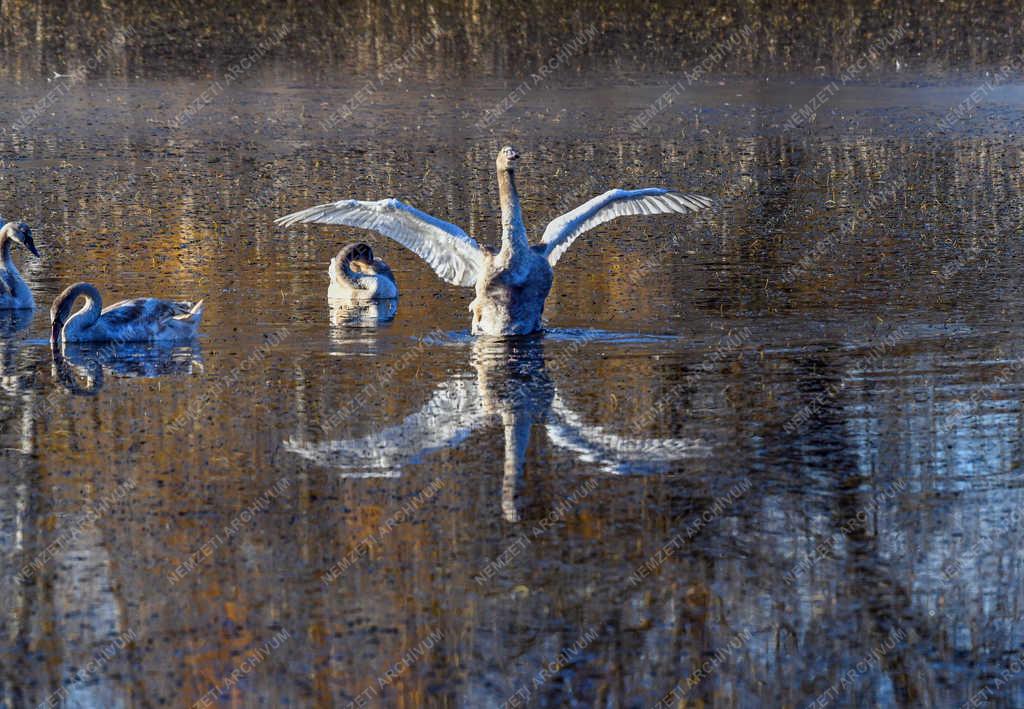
(765, 455)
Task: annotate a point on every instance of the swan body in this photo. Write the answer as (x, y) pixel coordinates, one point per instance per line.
(14, 292)
(357, 276)
(512, 283)
(138, 320)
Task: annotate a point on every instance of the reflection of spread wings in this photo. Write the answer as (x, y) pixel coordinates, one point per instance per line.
(448, 418)
(615, 454)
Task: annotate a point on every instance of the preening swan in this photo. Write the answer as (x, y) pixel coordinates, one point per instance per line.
(138, 320)
(356, 275)
(14, 292)
(512, 283)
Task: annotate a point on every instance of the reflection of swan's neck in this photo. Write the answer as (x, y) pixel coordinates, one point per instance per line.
(61, 324)
(513, 233)
(517, 442)
(66, 373)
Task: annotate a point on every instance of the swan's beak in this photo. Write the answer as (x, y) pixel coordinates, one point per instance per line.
(24, 237)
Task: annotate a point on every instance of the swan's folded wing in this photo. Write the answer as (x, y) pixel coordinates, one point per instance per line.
(449, 417)
(144, 310)
(452, 253)
(560, 233)
(616, 454)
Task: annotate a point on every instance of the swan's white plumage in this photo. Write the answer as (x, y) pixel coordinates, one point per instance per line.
(15, 293)
(136, 320)
(454, 255)
(561, 232)
(512, 283)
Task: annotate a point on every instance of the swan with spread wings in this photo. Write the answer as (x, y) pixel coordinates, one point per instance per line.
(511, 283)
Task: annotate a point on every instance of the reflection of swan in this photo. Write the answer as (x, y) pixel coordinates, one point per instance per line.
(513, 283)
(138, 320)
(14, 292)
(13, 321)
(12, 380)
(76, 362)
(513, 385)
(88, 617)
(356, 275)
(346, 312)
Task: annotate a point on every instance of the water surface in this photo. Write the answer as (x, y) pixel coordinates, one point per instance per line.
(794, 470)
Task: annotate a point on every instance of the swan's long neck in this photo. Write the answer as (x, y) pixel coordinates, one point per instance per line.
(63, 322)
(6, 243)
(11, 278)
(513, 233)
(342, 273)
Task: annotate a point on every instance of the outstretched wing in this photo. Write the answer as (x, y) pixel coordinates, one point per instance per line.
(616, 454)
(560, 233)
(452, 253)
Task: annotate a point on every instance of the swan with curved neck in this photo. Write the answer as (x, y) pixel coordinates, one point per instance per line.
(138, 320)
(356, 275)
(513, 282)
(14, 292)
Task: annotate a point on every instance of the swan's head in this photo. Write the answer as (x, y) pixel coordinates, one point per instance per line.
(357, 257)
(20, 234)
(507, 158)
(60, 311)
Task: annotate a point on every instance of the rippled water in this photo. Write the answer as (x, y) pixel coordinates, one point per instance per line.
(764, 455)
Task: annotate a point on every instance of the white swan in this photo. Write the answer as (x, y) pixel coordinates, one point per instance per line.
(138, 320)
(14, 292)
(513, 283)
(356, 275)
